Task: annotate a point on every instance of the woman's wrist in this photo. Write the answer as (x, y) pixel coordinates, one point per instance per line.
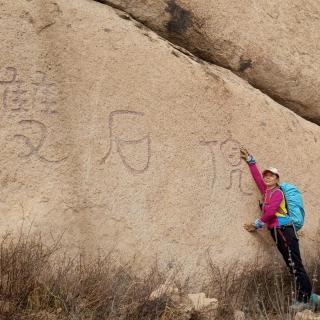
(250, 159)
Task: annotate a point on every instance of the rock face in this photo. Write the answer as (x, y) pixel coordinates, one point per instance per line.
(272, 44)
(114, 137)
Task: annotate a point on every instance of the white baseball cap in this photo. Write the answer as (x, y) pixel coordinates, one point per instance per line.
(272, 170)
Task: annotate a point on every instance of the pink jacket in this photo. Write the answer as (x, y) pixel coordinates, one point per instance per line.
(272, 199)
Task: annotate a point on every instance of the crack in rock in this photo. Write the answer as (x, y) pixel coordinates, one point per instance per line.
(181, 20)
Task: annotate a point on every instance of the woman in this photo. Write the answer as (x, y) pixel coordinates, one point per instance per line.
(275, 217)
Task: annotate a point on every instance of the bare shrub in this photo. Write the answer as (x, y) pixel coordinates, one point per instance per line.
(22, 260)
(38, 282)
(30, 283)
(259, 291)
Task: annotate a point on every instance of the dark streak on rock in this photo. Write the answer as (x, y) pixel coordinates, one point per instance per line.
(147, 34)
(175, 53)
(124, 16)
(180, 20)
(245, 64)
(139, 25)
(46, 26)
(186, 53)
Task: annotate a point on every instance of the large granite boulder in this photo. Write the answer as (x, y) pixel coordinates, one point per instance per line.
(273, 44)
(120, 141)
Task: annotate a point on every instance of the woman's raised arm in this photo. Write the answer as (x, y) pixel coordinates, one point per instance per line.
(251, 161)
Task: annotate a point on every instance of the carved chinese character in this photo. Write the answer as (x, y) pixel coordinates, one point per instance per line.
(119, 143)
(14, 97)
(230, 152)
(45, 93)
(210, 145)
(34, 148)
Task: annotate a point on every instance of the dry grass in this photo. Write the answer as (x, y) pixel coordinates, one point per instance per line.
(31, 284)
(261, 291)
(258, 291)
(35, 284)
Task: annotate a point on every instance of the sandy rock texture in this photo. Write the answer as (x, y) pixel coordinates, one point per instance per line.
(307, 315)
(273, 44)
(114, 137)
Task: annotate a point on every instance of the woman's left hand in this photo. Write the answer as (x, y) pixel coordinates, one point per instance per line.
(244, 153)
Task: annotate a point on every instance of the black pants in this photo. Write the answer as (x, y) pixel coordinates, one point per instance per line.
(288, 245)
